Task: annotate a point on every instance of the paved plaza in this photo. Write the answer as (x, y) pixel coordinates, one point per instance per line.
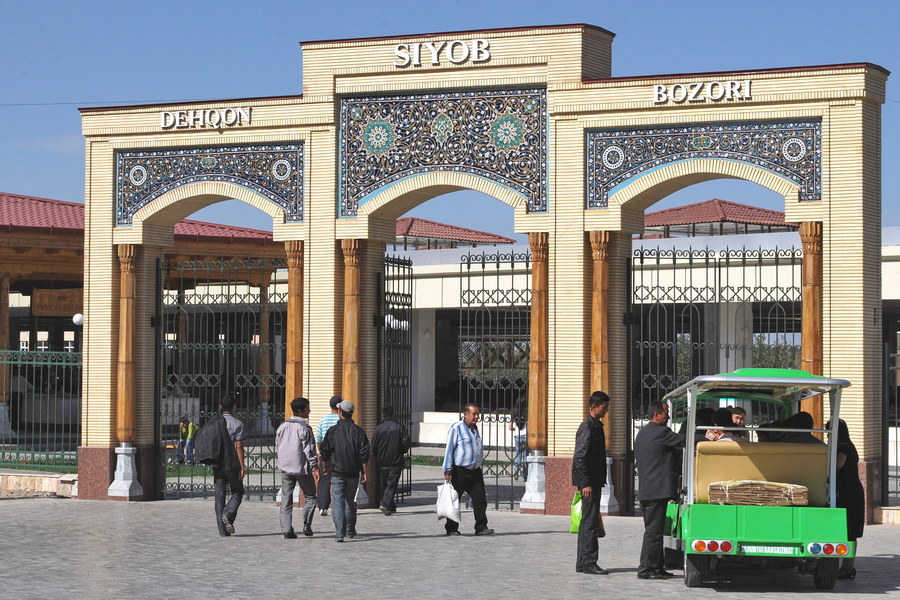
(61, 548)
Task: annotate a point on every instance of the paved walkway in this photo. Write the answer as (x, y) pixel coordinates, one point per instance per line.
(55, 548)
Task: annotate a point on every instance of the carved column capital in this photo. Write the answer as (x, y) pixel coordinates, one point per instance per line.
(294, 251)
(539, 241)
(600, 245)
(126, 257)
(811, 236)
(351, 249)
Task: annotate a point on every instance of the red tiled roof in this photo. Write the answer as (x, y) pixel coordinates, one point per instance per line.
(414, 227)
(27, 212)
(714, 211)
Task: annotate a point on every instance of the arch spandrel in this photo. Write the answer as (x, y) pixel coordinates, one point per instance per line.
(784, 156)
(273, 171)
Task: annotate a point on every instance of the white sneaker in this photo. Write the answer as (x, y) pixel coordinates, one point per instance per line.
(324, 512)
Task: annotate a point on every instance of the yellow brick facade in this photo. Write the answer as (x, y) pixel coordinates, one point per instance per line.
(573, 64)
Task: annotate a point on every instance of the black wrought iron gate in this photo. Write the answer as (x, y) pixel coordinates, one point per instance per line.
(699, 312)
(222, 328)
(393, 324)
(494, 343)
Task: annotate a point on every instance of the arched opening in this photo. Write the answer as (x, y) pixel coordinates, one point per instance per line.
(469, 323)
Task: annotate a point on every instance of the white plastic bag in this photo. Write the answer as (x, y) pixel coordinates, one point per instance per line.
(447, 504)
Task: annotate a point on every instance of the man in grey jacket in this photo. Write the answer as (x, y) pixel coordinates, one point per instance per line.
(296, 448)
(655, 449)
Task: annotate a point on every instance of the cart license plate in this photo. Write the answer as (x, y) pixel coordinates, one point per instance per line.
(757, 549)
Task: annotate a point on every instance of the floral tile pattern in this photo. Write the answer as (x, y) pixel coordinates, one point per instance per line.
(274, 171)
(790, 149)
(500, 135)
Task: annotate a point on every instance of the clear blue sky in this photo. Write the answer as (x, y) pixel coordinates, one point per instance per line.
(58, 56)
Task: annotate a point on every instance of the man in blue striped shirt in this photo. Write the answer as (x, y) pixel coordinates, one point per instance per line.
(462, 467)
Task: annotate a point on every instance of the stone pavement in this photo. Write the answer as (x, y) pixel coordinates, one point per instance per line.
(54, 548)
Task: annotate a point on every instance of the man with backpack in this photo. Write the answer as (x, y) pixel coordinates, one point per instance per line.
(220, 444)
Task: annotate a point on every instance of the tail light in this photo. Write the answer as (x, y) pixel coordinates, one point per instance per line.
(712, 546)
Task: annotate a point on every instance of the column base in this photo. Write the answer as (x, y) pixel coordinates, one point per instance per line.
(608, 502)
(125, 485)
(534, 500)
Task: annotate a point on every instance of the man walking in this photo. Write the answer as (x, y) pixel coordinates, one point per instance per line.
(589, 476)
(323, 489)
(462, 468)
(389, 444)
(296, 449)
(345, 452)
(230, 472)
(655, 448)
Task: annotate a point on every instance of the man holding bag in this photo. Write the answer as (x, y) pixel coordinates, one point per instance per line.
(462, 468)
(589, 476)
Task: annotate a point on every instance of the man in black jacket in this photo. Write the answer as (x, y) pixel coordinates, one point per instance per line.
(345, 452)
(389, 444)
(655, 449)
(589, 476)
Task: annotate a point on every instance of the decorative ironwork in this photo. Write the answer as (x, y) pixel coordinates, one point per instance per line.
(222, 332)
(500, 135)
(699, 311)
(274, 171)
(790, 149)
(393, 324)
(494, 340)
(40, 417)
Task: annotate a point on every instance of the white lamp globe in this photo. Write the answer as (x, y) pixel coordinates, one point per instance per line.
(78, 318)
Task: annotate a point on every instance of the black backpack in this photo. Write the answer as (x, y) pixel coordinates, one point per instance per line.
(209, 447)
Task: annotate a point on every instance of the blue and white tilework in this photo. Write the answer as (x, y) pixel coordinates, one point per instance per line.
(790, 149)
(274, 171)
(500, 135)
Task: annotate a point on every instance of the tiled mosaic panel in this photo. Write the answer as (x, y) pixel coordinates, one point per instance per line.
(274, 171)
(498, 135)
(791, 149)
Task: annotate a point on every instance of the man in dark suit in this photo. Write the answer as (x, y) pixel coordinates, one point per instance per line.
(589, 476)
(655, 449)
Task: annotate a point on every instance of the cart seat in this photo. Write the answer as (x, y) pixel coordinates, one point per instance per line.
(801, 464)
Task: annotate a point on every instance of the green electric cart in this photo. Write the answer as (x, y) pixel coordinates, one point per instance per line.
(814, 536)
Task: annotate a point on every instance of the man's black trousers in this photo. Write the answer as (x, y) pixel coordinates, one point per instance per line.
(471, 481)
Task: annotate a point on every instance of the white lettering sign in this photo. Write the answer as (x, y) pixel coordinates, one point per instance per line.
(716, 91)
(456, 51)
(215, 118)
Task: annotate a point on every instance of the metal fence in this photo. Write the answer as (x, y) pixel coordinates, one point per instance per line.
(222, 332)
(393, 325)
(493, 353)
(700, 311)
(40, 410)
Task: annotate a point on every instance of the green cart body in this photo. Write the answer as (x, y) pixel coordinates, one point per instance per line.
(814, 536)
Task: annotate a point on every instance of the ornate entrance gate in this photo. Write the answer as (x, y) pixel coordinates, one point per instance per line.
(222, 331)
(494, 342)
(395, 295)
(698, 312)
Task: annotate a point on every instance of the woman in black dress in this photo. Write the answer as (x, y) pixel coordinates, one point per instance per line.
(850, 493)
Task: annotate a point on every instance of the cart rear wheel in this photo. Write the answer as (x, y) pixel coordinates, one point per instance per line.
(695, 567)
(826, 573)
